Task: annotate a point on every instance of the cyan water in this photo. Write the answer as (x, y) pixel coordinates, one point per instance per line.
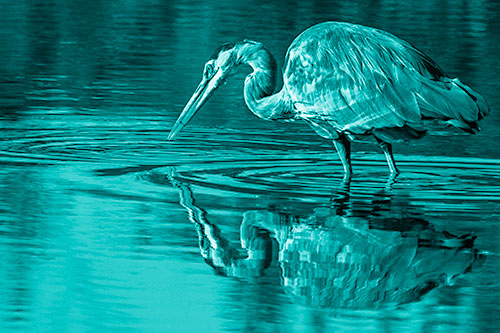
(239, 224)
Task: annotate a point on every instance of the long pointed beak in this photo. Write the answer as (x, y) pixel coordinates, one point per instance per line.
(204, 90)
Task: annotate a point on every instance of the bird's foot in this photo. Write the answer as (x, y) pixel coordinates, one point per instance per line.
(394, 171)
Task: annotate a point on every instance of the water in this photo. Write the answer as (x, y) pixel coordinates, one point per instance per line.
(106, 225)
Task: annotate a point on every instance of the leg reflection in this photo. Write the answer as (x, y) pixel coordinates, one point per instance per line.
(360, 254)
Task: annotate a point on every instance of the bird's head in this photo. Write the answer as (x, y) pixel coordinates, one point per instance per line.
(220, 65)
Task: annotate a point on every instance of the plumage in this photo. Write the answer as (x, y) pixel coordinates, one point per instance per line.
(346, 81)
(355, 79)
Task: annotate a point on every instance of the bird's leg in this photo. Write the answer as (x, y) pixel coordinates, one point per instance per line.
(387, 148)
(391, 181)
(343, 147)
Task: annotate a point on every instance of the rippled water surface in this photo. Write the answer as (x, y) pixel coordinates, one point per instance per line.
(240, 224)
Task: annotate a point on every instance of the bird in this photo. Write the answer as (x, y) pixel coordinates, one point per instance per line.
(348, 82)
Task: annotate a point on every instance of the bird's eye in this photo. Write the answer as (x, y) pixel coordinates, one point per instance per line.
(209, 69)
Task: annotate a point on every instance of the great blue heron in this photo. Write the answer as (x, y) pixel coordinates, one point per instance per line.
(346, 81)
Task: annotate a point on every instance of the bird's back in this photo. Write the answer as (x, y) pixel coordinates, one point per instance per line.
(349, 78)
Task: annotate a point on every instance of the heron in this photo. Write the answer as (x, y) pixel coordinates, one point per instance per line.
(348, 82)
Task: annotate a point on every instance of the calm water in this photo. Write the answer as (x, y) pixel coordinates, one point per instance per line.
(240, 224)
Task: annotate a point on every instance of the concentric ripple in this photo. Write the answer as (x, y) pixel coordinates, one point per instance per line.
(318, 175)
(248, 163)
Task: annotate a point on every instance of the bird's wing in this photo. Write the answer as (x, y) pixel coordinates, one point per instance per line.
(355, 78)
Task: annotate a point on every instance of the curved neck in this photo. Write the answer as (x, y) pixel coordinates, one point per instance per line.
(260, 84)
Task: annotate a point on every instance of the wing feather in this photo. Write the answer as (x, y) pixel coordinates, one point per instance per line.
(356, 79)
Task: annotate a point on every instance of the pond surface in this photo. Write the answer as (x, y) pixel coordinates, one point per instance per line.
(239, 224)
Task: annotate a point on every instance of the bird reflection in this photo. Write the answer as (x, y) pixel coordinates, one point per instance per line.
(343, 255)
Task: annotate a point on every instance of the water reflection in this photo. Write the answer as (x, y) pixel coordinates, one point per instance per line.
(344, 255)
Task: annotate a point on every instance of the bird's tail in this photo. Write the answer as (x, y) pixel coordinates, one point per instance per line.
(453, 102)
